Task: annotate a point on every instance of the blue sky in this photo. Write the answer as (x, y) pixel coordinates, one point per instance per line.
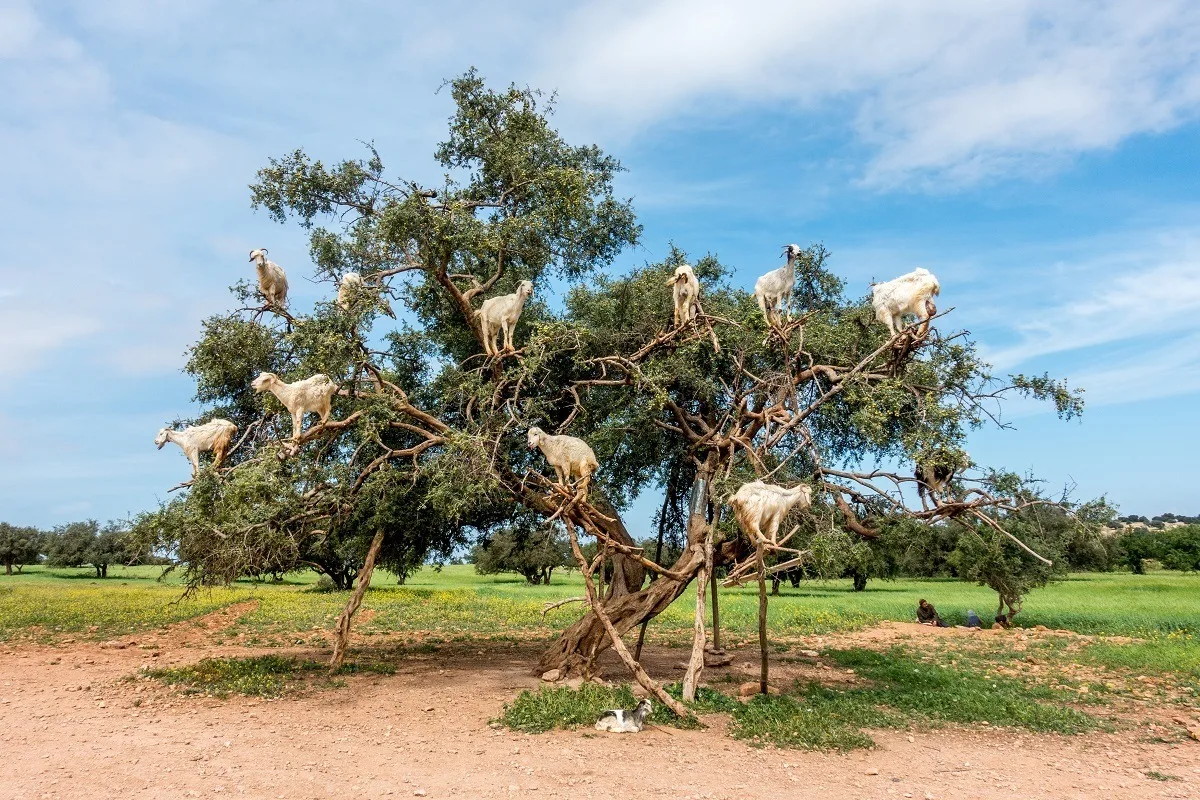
(1041, 159)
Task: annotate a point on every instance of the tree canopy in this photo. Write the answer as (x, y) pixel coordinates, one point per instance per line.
(426, 446)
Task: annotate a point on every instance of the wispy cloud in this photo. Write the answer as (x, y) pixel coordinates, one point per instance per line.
(946, 93)
(1119, 297)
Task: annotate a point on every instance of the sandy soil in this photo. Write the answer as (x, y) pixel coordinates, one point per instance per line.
(74, 727)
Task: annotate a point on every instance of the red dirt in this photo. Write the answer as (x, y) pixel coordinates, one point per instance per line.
(73, 728)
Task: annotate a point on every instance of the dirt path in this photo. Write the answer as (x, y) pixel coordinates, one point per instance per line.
(75, 728)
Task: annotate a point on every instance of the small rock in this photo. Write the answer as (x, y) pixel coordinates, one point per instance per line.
(871, 771)
(113, 645)
(751, 688)
(550, 676)
(419, 792)
(810, 653)
(576, 682)
(717, 659)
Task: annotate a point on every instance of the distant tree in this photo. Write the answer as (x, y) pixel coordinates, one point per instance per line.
(1009, 569)
(1135, 546)
(18, 547)
(70, 545)
(533, 551)
(80, 543)
(1180, 548)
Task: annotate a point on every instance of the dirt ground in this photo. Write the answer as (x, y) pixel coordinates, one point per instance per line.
(74, 727)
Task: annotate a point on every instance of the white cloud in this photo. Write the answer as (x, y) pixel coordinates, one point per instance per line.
(1120, 297)
(945, 92)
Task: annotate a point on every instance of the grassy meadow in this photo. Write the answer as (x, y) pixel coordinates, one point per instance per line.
(453, 601)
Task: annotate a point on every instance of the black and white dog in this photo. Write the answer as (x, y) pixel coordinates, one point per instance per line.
(618, 720)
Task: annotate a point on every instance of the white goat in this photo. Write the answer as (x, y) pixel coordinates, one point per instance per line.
(351, 287)
(908, 294)
(618, 720)
(348, 288)
(214, 435)
(686, 293)
(570, 457)
(272, 280)
(313, 395)
(500, 314)
(760, 507)
(773, 291)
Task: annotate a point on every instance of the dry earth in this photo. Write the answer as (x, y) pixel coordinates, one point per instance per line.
(74, 727)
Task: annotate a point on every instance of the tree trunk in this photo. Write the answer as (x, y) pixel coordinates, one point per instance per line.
(597, 608)
(342, 637)
(8, 569)
(775, 581)
(860, 582)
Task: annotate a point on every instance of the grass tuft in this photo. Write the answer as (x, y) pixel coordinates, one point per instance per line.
(564, 708)
(1155, 775)
(261, 676)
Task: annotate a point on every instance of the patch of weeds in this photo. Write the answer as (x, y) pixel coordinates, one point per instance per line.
(1174, 655)
(1155, 775)
(369, 667)
(935, 693)
(898, 690)
(813, 723)
(261, 676)
(563, 707)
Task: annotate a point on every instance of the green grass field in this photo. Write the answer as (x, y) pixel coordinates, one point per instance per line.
(455, 601)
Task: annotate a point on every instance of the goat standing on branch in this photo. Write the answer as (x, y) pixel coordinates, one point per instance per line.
(351, 288)
(911, 293)
(313, 395)
(935, 472)
(272, 280)
(773, 291)
(685, 291)
(501, 314)
(570, 457)
(760, 508)
(214, 435)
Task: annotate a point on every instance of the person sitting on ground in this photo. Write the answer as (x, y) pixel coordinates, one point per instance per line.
(973, 620)
(1003, 621)
(928, 615)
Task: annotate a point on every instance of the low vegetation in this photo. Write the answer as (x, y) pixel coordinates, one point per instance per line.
(893, 689)
(261, 676)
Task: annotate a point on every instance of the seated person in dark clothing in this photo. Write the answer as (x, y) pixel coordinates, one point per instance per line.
(928, 615)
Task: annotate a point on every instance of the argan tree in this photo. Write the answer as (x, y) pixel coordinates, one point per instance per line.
(426, 446)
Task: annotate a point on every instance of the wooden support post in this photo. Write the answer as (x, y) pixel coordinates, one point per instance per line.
(691, 678)
(712, 575)
(598, 606)
(342, 637)
(762, 619)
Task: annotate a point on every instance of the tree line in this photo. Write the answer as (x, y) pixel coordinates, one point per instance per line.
(86, 543)
(907, 550)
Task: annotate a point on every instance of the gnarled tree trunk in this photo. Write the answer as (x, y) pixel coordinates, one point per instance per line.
(626, 605)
